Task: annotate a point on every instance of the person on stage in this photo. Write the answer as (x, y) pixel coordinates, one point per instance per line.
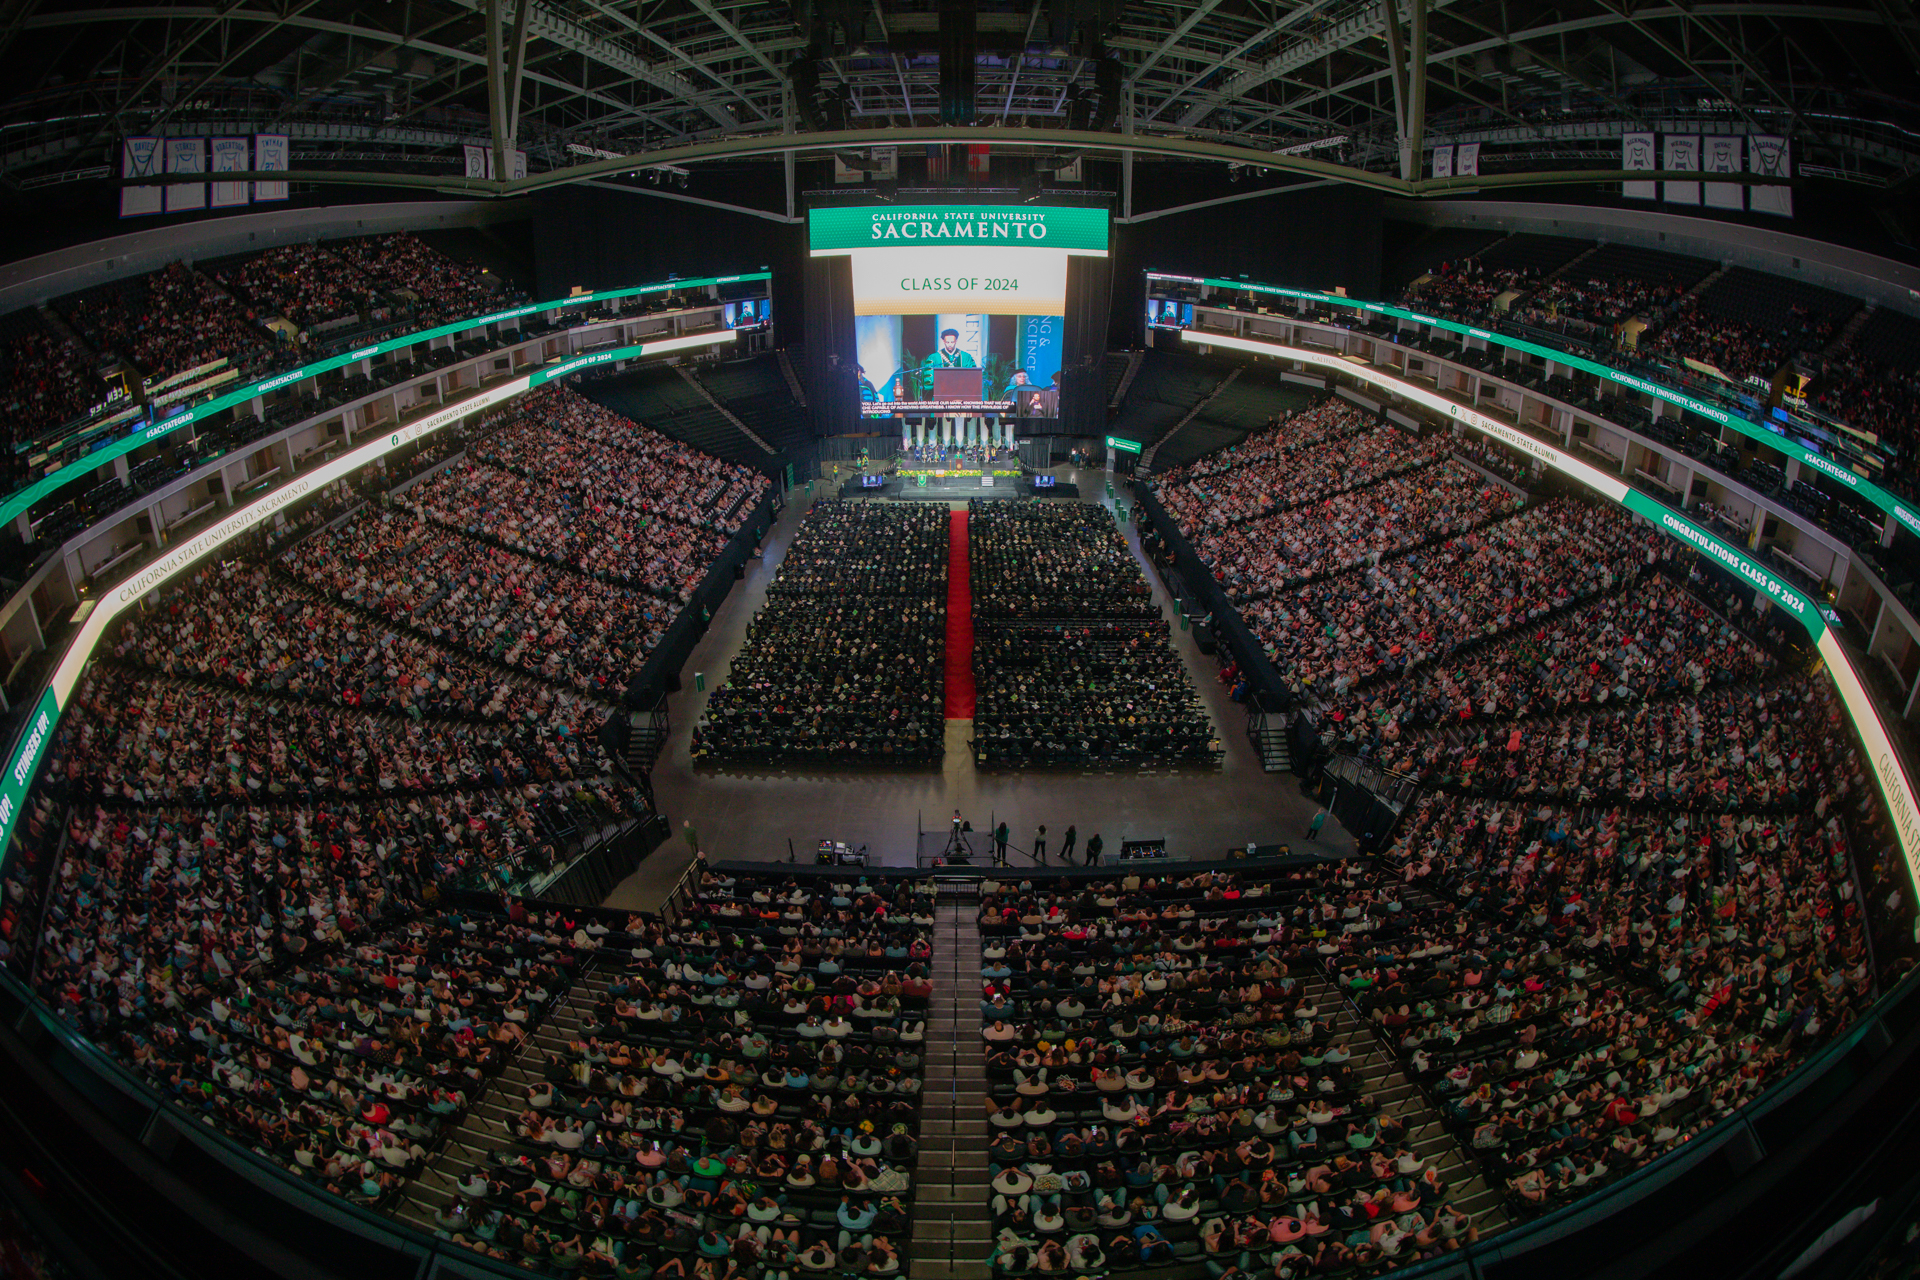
(949, 356)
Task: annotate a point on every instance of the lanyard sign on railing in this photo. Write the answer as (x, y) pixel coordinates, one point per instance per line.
(33, 493)
(1895, 787)
(32, 746)
(1867, 489)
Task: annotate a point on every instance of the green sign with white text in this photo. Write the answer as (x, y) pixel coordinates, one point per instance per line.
(1118, 445)
(887, 226)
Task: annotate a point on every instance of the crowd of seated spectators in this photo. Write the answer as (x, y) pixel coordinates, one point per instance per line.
(1737, 348)
(1781, 748)
(1654, 639)
(177, 320)
(1072, 661)
(1295, 458)
(741, 1099)
(237, 624)
(544, 619)
(1873, 395)
(843, 663)
(347, 1064)
(1502, 460)
(1465, 290)
(141, 739)
(1168, 1085)
(1601, 304)
(653, 517)
(403, 261)
(1633, 977)
(1314, 539)
(1376, 622)
(49, 382)
(306, 283)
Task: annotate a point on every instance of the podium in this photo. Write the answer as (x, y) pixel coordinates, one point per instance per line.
(956, 384)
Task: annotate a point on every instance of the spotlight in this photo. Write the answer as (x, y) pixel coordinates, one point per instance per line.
(680, 180)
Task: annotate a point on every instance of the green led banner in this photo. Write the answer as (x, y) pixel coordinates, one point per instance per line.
(26, 758)
(1122, 446)
(888, 226)
(33, 493)
(1873, 493)
(1763, 580)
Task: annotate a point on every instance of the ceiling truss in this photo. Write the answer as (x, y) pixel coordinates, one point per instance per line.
(1365, 85)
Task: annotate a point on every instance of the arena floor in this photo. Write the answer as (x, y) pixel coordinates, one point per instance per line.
(753, 814)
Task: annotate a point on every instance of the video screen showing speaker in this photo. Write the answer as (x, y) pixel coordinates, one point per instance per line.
(952, 362)
(749, 313)
(959, 308)
(1166, 313)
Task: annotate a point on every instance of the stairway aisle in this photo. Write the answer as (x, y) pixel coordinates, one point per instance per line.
(486, 1128)
(1380, 1075)
(952, 1227)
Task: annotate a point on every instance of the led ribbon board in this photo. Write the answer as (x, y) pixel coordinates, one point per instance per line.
(32, 746)
(1897, 507)
(26, 497)
(1887, 771)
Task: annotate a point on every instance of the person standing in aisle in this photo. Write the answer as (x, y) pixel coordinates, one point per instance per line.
(692, 837)
(1040, 844)
(1319, 821)
(1066, 845)
(1000, 834)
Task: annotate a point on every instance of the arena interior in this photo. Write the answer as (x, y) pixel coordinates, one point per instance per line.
(1208, 640)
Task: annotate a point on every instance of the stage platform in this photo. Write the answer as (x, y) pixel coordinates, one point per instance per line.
(951, 487)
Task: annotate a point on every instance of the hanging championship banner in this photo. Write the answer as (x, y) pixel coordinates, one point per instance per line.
(1682, 152)
(1467, 160)
(140, 158)
(1636, 152)
(270, 155)
(477, 158)
(1443, 162)
(230, 156)
(517, 164)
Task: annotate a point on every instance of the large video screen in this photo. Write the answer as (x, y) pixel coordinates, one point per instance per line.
(959, 308)
(1165, 313)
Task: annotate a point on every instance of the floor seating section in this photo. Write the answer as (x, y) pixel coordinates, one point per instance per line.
(1072, 662)
(843, 662)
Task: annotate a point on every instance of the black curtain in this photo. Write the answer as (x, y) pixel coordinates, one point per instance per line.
(832, 394)
(601, 239)
(1315, 238)
(1083, 383)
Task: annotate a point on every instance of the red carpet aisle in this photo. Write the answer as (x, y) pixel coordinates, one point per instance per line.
(959, 622)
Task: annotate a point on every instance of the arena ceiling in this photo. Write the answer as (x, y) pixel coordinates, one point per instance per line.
(389, 91)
